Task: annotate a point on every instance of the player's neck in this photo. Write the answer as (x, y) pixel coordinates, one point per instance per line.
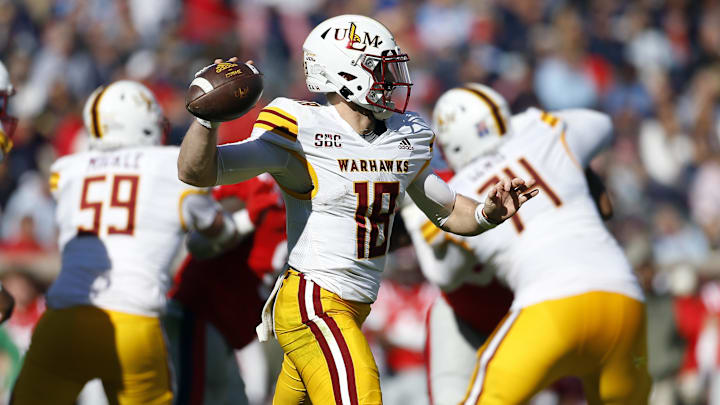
(361, 120)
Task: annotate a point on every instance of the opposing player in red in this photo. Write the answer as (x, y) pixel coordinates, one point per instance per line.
(216, 301)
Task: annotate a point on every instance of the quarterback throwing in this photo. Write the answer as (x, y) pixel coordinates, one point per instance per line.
(343, 168)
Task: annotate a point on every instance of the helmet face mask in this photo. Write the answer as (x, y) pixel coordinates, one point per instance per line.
(390, 89)
(357, 58)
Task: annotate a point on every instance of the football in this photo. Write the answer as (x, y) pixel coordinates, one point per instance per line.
(224, 91)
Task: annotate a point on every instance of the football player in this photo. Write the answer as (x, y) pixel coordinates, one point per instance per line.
(7, 127)
(343, 168)
(7, 122)
(204, 324)
(578, 309)
(122, 214)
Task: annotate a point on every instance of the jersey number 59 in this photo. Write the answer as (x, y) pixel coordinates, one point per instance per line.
(115, 202)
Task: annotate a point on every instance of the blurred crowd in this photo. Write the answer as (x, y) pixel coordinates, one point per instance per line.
(653, 65)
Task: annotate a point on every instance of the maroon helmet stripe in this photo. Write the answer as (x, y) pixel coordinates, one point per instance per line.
(94, 114)
(494, 109)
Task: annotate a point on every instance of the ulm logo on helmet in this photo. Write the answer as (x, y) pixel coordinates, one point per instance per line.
(355, 42)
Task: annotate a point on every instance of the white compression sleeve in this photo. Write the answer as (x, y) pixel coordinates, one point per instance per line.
(244, 160)
(433, 196)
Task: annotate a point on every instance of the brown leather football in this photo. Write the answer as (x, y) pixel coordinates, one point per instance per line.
(224, 91)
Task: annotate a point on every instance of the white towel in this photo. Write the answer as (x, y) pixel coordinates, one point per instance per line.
(266, 329)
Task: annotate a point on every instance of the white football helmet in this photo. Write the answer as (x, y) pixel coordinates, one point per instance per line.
(122, 114)
(357, 58)
(470, 121)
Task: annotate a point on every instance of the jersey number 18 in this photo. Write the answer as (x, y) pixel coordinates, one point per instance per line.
(375, 217)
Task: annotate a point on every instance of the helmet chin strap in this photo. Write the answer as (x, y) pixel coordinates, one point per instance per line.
(383, 115)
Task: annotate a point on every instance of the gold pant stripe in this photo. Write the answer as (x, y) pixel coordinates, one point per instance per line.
(598, 336)
(487, 355)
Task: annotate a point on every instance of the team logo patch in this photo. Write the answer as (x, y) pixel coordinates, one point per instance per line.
(356, 40)
(405, 144)
(482, 129)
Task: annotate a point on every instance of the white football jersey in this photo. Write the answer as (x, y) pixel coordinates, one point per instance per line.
(121, 222)
(338, 232)
(556, 245)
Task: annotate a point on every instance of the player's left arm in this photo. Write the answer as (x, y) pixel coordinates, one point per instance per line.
(461, 215)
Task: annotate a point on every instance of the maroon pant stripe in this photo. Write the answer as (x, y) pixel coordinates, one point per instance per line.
(301, 300)
(347, 359)
(334, 377)
(316, 300)
(329, 359)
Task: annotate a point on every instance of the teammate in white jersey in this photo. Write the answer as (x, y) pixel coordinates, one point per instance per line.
(7, 122)
(122, 214)
(344, 168)
(578, 309)
(7, 126)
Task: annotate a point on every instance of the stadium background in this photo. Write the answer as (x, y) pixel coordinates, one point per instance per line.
(653, 65)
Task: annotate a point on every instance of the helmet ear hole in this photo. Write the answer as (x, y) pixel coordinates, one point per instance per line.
(147, 132)
(347, 76)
